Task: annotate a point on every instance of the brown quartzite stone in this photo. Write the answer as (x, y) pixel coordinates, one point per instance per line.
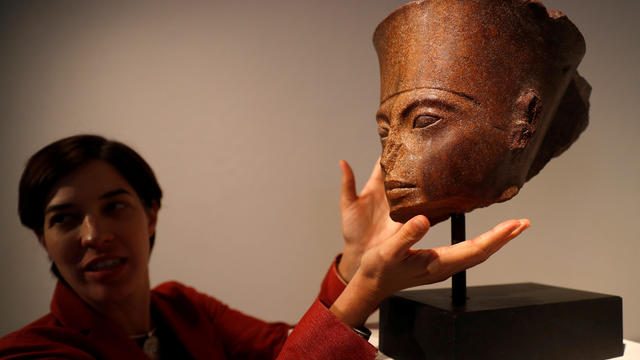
(476, 96)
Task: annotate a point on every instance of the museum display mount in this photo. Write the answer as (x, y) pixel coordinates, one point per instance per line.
(514, 321)
(476, 97)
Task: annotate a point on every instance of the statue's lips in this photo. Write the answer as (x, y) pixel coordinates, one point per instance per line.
(399, 193)
(397, 190)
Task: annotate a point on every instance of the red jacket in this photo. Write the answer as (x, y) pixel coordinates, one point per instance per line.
(206, 328)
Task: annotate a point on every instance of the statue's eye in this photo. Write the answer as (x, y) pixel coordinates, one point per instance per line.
(422, 121)
(383, 131)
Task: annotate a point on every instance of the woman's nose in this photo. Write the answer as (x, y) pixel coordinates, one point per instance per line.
(94, 232)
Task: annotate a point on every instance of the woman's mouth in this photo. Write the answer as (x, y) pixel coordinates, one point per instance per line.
(106, 264)
(106, 269)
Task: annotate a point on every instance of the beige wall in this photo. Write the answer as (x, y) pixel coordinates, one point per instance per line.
(244, 108)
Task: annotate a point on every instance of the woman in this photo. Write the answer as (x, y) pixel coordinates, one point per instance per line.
(93, 205)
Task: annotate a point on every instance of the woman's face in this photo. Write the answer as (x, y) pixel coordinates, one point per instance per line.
(96, 231)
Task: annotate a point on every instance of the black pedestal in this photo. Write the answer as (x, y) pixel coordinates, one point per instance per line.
(515, 321)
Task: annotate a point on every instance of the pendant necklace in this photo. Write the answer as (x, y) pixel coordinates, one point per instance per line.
(150, 343)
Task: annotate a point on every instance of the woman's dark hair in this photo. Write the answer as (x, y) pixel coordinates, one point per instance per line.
(58, 159)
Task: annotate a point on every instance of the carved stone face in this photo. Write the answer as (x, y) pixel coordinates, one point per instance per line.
(467, 97)
(441, 151)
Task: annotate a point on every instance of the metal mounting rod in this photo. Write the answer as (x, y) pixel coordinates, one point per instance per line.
(459, 280)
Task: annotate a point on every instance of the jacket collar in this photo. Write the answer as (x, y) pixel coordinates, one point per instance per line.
(102, 333)
(189, 325)
(185, 321)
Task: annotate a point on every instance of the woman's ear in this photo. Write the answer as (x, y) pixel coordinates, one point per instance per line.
(152, 216)
(528, 108)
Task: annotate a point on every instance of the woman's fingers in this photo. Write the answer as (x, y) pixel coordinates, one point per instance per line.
(409, 234)
(469, 253)
(491, 241)
(376, 179)
(525, 223)
(348, 186)
(393, 265)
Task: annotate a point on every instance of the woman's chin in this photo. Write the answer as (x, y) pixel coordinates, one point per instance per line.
(107, 286)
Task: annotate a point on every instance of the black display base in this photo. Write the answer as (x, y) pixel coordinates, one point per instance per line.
(514, 321)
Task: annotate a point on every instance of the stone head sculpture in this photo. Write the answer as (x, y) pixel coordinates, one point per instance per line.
(476, 97)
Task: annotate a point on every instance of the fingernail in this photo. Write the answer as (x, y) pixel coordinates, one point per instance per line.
(420, 224)
(511, 226)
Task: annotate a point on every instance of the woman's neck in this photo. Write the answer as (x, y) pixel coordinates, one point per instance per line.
(132, 312)
(133, 315)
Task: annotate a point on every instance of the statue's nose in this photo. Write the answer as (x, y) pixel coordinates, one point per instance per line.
(392, 151)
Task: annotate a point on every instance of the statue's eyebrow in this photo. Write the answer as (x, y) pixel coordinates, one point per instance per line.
(457, 93)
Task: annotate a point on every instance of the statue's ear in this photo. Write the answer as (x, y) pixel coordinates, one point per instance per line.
(569, 121)
(527, 111)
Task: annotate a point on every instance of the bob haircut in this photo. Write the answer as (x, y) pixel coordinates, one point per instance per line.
(60, 158)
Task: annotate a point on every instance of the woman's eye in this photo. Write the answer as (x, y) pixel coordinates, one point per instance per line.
(57, 219)
(422, 121)
(62, 219)
(114, 206)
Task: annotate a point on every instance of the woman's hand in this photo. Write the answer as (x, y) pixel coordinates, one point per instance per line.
(392, 265)
(365, 218)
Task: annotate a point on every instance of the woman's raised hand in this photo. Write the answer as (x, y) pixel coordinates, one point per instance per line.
(392, 265)
(365, 218)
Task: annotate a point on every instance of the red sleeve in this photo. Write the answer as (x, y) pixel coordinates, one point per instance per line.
(245, 337)
(318, 335)
(321, 335)
(332, 285)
